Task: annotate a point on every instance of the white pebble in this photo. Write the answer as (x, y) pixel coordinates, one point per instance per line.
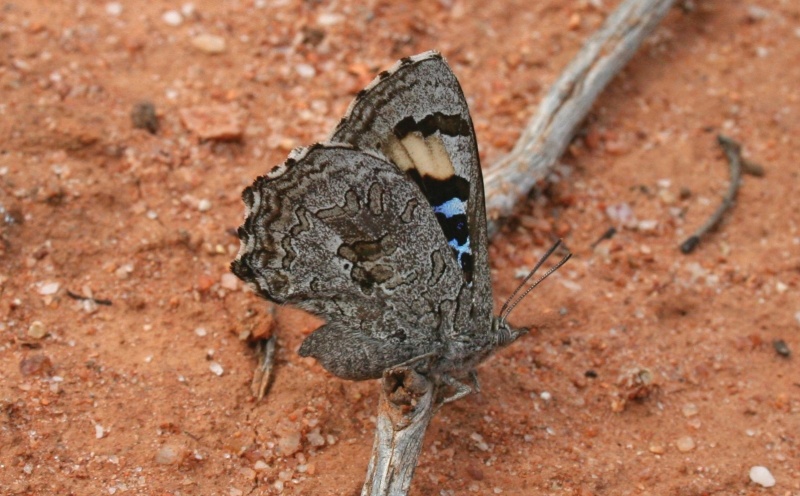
(204, 205)
(114, 8)
(48, 288)
(546, 396)
(762, 476)
(99, 432)
(685, 444)
(172, 17)
(315, 438)
(216, 368)
(201, 331)
(306, 70)
(188, 9)
(229, 281)
(209, 43)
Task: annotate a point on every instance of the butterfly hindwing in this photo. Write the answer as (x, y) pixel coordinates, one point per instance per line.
(415, 114)
(345, 235)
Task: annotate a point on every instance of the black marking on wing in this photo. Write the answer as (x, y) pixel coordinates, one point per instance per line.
(449, 125)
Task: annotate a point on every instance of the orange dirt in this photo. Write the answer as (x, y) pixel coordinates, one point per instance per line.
(121, 398)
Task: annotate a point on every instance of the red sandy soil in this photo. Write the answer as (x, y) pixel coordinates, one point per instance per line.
(121, 399)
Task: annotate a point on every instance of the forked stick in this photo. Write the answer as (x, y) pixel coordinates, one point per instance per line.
(408, 401)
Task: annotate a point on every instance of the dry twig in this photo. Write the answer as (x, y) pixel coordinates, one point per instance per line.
(734, 153)
(550, 131)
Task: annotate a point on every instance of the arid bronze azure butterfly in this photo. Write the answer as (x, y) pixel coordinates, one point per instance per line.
(381, 231)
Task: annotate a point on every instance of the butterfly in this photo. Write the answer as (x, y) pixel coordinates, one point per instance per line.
(381, 232)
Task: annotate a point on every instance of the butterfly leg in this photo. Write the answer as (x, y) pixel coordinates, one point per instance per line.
(476, 385)
(412, 361)
(461, 388)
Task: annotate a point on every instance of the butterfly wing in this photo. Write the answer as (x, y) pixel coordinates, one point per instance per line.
(416, 116)
(345, 235)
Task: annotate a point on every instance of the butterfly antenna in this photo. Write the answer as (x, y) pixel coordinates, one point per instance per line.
(515, 297)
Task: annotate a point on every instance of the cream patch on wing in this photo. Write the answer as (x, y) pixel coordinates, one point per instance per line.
(427, 155)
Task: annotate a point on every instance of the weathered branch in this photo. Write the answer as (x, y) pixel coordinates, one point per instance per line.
(406, 407)
(408, 400)
(570, 98)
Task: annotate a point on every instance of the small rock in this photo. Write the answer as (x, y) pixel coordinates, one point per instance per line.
(216, 368)
(172, 18)
(114, 8)
(37, 330)
(657, 449)
(143, 116)
(99, 431)
(204, 205)
(315, 438)
(201, 331)
(209, 43)
(289, 443)
(260, 465)
(685, 444)
(35, 365)
(49, 288)
(168, 454)
(690, 410)
(214, 122)
(306, 70)
(762, 476)
(229, 281)
(781, 348)
(621, 213)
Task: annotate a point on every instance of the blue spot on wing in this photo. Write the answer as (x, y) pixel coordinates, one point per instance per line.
(451, 208)
(461, 250)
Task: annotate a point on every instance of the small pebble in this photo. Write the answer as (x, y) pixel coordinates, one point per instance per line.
(690, 410)
(657, 449)
(781, 348)
(685, 444)
(35, 365)
(114, 8)
(216, 368)
(209, 43)
(37, 330)
(168, 454)
(762, 476)
(143, 116)
(260, 465)
(289, 443)
(306, 70)
(172, 18)
(229, 281)
(201, 331)
(315, 438)
(214, 122)
(99, 432)
(49, 288)
(204, 205)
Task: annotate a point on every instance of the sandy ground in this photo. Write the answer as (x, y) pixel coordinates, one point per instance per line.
(145, 390)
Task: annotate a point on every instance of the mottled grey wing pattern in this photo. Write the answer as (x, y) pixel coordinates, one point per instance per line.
(416, 116)
(345, 235)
